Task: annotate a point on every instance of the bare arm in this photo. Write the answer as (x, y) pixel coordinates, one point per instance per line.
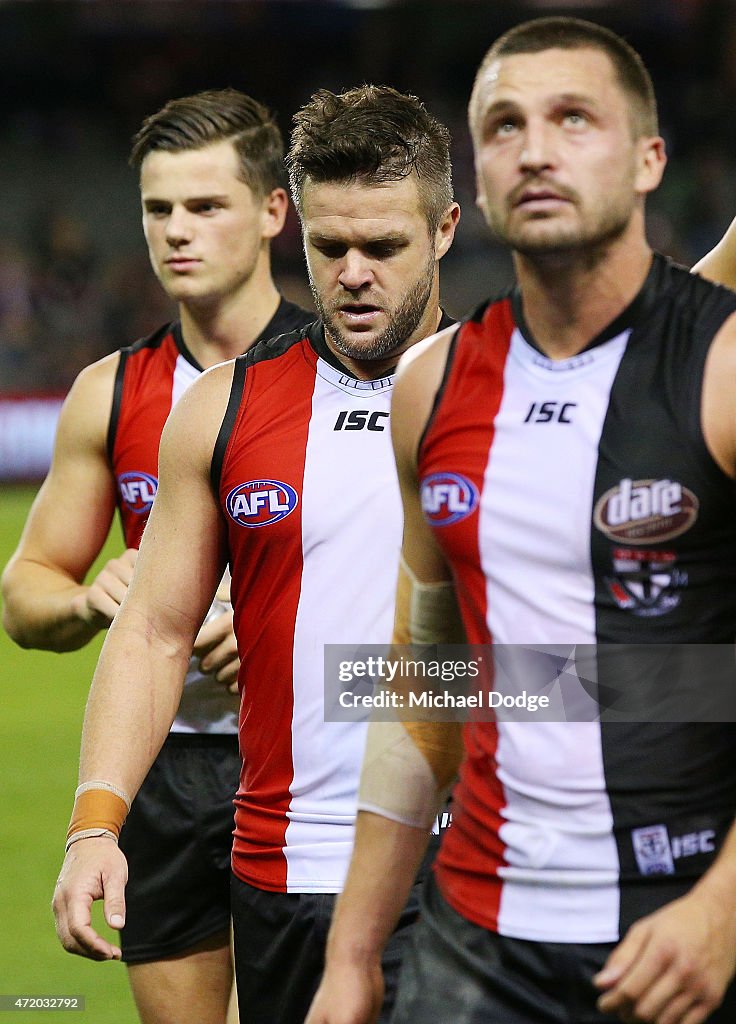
(47, 604)
(387, 852)
(719, 264)
(137, 685)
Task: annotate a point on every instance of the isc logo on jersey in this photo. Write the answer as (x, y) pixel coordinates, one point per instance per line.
(137, 491)
(447, 498)
(261, 502)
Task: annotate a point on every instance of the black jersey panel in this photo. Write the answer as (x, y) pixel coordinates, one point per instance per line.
(663, 539)
(663, 550)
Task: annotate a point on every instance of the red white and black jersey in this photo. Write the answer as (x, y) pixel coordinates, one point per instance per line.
(586, 509)
(151, 377)
(307, 483)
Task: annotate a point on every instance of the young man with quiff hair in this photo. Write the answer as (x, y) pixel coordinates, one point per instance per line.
(211, 180)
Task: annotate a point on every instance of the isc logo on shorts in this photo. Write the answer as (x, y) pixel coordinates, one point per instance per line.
(447, 498)
(261, 502)
(137, 491)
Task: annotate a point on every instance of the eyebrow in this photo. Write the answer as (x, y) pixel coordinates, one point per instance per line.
(190, 199)
(390, 236)
(503, 106)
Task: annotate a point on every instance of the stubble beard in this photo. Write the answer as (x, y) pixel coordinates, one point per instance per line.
(402, 322)
(574, 240)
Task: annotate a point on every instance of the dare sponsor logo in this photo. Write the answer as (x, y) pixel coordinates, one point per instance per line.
(447, 498)
(261, 502)
(137, 491)
(646, 511)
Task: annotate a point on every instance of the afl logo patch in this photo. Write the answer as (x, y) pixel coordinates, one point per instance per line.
(646, 511)
(447, 498)
(137, 491)
(261, 502)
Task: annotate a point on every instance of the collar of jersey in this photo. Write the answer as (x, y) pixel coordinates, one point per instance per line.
(329, 367)
(632, 315)
(559, 370)
(176, 333)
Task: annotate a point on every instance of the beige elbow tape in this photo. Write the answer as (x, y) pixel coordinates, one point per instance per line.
(426, 613)
(409, 767)
(396, 781)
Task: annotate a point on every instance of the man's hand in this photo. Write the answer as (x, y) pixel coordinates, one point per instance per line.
(217, 649)
(98, 605)
(348, 994)
(673, 966)
(93, 869)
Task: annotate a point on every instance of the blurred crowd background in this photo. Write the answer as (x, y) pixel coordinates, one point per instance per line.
(78, 76)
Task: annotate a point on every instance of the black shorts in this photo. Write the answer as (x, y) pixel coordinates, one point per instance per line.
(178, 840)
(280, 943)
(456, 972)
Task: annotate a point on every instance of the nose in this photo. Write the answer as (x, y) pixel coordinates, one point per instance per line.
(537, 151)
(178, 227)
(356, 272)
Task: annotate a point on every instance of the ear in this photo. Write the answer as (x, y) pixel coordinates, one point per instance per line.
(275, 206)
(480, 195)
(651, 161)
(445, 232)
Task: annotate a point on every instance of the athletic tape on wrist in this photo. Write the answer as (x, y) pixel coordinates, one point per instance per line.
(89, 833)
(101, 784)
(99, 809)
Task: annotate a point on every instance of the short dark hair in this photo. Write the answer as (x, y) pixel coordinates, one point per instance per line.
(218, 115)
(371, 134)
(573, 34)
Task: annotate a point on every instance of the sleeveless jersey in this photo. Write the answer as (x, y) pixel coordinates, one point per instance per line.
(306, 478)
(588, 511)
(152, 375)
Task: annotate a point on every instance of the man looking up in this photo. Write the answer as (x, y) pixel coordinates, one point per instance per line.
(566, 859)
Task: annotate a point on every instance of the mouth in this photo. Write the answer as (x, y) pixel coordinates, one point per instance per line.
(539, 199)
(181, 263)
(359, 314)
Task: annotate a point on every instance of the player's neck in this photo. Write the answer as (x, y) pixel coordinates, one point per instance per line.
(227, 327)
(569, 301)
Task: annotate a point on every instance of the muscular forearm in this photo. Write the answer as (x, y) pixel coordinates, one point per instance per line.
(132, 702)
(385, 862)
(44, 608)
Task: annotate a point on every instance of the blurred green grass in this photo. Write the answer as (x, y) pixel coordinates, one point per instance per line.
(42, 697)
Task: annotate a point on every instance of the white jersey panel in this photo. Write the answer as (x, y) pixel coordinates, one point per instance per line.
(351, 537)
(206, 706)
(549, 830)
